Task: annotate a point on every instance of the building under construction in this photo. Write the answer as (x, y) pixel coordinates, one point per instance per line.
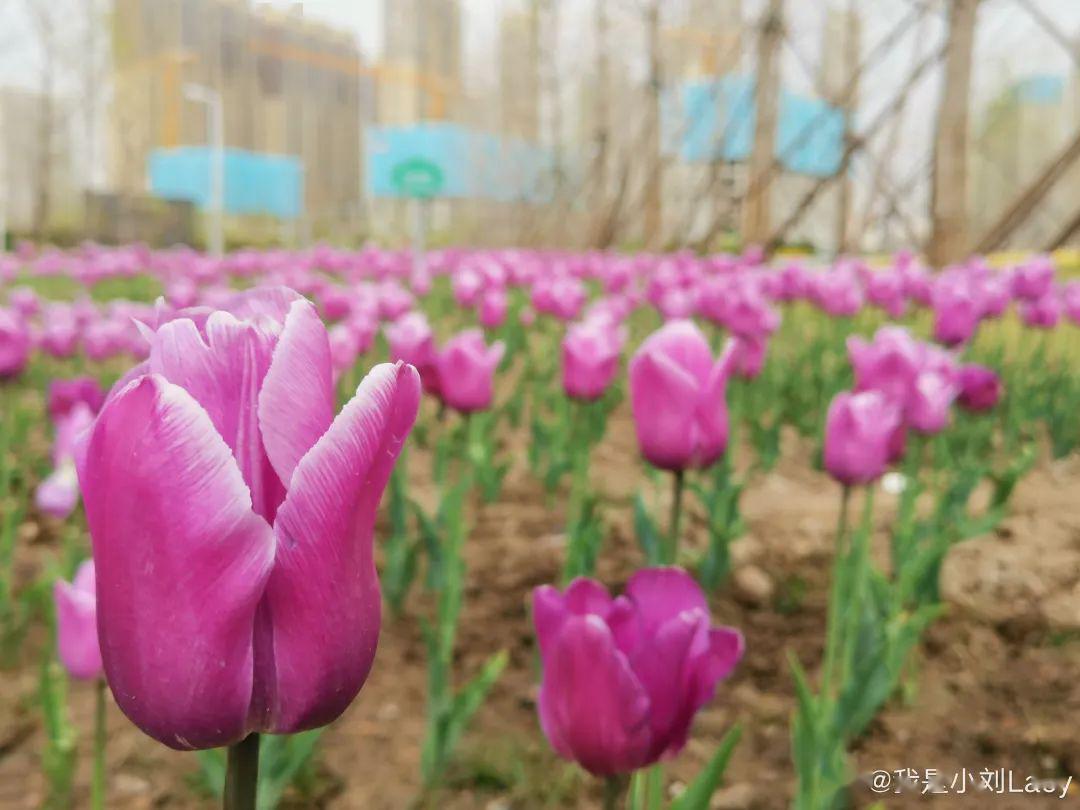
(289, 86)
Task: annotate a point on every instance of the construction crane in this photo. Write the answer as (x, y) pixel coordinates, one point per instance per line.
(438, 88)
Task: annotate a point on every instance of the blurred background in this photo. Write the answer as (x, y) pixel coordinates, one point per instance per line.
(830, 126)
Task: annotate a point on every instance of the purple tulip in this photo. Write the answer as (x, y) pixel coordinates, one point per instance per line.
(1041, 313)
(890, 363)
(14, 344)
(956, 315)
(493, 305)
(231, 515)
(623, 678)
(860, 436)
(1070, 299)
(466, 367)
(590, 358)
(76, 624)
(66, 395)
(58, 494)
(411, 341)
(677, 396)
(1033, 280)
(980, 388)
(747, 355)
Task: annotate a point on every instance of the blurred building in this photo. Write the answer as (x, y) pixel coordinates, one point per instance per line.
(702, 38)
(289, 85)
(421, 73)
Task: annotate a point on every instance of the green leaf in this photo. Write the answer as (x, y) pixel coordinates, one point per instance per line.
(647, 534)
(699, 794)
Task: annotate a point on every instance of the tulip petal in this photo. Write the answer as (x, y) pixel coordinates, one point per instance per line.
(320, 624)
(549, 613)
(224, 373)
(181, 562)
(662, 663)
(296, 404)
(663, 398)
(592, 708)
(76, 630)
(661, 594)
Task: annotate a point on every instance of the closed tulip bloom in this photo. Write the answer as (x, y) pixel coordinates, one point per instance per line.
(14, 344)
(466, 368)
(1042, 313)
(623, 678)
(493, 305)
(66, 395)
(980, 388)
(231, 515)
(677, 396)
(76, 624)
(1070, 298)
(747, 355)
(930, 402)
(860, 436)
(1034, 279)
(590, 358)
(58, 494)
(890, 363)
(956, 316)
(411, 341)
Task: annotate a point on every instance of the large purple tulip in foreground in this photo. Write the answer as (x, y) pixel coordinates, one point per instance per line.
(231, 515)
(623, 678)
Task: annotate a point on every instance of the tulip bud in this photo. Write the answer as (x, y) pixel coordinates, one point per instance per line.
(677, 398)
(14, 344)
(590, 354)
(76, 624)
(467, 371)
(980, 388)
(623, 678)
(860, 436)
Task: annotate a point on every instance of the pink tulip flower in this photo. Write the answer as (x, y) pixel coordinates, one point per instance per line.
(76, 624)
(590, 358)
(623, 678)
(411, 341)
(231, 515)
(677, 396)
(466, 367)
(861, 432)
(493, 306)
(14, 344)
(980, 388)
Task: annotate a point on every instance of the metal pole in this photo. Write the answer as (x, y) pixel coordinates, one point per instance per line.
(419, 236)
(217, 175)
(215, 125)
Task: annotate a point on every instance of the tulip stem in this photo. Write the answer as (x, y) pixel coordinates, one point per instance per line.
(614, 787)
(835, 596)
(242, 776)
(97, 786)
(677, 480)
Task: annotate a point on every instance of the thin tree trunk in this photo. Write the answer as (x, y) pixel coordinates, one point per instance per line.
(758, 202)
(949, 239)
(654, 180)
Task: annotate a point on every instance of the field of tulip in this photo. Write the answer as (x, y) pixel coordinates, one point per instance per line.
(512, 529)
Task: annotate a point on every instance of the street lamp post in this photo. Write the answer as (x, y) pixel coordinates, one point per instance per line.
(215, 135)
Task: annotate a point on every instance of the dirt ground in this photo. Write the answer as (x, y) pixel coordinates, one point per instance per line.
(994, 685)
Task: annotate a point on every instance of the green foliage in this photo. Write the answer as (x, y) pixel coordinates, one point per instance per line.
(449, 712)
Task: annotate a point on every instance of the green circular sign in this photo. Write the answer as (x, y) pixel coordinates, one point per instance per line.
(417, 177)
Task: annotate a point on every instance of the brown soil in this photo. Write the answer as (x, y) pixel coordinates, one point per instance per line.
(994, 684)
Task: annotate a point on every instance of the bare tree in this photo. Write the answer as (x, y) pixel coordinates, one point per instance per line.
(766, 104)
(949, 237)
